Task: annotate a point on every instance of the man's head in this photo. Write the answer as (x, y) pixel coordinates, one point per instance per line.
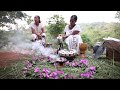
(37, 19)
(73, 20)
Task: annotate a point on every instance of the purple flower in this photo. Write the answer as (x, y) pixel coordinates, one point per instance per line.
(29, 65)
(49, 58)
(67, 63)
(68, 76)
(92, 68)
(76, 63)
(85, 62)
(46, 70)
(41, 75)
(36, 70)
(79, 65)
(53, 74)
(87, 75)
(81, 75)
(92, 72)
(73, 64)
(65, 77)
(60, 72)
(56, 77)
(47, 76)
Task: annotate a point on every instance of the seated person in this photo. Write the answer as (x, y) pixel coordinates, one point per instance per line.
(72, 35)
(38, 30)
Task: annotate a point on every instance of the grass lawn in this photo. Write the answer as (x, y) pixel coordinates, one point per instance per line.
(106, 70)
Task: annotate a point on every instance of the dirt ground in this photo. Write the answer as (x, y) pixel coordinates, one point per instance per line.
(7, 58)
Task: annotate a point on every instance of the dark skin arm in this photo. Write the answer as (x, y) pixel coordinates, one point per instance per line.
(43, 30)
(38, 34)
(33, 31)
(75, 32)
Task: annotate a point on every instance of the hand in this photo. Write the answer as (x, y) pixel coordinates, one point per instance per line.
(37, 34)
(64, 37)
(75, 32)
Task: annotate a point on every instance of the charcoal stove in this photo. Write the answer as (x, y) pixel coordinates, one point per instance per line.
(70, 55)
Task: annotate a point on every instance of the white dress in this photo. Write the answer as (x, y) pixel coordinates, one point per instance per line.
(73, 41)
(37, 28)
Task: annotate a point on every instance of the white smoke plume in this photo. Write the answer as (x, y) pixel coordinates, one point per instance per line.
(20, 43)
(40, 49)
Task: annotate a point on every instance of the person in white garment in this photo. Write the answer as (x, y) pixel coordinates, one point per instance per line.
(38, 30)
(72, 34)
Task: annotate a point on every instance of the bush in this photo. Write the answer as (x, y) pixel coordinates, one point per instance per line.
(56, 25)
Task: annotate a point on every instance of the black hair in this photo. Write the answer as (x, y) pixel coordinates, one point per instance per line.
(74, 17)
(39, 18)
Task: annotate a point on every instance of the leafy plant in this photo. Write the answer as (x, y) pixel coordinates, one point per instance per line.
(10, 16)
(56, 25)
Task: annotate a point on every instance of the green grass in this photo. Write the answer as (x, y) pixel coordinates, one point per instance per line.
(106, 70)
(13, 71)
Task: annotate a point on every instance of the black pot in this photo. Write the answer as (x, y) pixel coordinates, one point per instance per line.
(70, 59)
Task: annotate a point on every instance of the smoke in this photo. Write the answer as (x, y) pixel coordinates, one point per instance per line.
(17, 42)
(40, 49)
(21, 42)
